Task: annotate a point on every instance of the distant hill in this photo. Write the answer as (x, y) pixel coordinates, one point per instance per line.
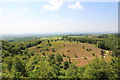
(23, 39)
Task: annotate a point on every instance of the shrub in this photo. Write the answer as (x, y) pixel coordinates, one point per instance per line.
(51, 56)
(68, 50)
(83, 47)
(38, 46)
(59, 58)
(93, 54)
(63, 55)
(88, 49)
(53, 50)
(43, 53)
(47, 49)
(66, 65)
(67, 56)
(49, 44)
(85, 57)
(76, 56)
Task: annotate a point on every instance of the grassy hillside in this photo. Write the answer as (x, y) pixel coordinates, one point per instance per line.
(78, 53)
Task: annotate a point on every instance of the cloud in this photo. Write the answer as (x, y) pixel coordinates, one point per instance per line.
(77, 5)
(53, 5)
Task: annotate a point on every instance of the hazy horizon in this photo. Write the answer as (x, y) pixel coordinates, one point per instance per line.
(57, 16)
(61, 33)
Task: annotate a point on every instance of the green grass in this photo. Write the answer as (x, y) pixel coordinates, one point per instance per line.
(23, 39)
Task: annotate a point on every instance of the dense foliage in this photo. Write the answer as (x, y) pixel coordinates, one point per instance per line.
(104, 41)
(19, 62)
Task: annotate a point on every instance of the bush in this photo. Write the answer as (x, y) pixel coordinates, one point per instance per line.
(51, 56)
(63, 55)
(85, 57)
(68, 50)
(93, 54)
(76, 56)
(88, 49)
(66, 64)
(38, 46)
(47, 49)
(83, 47)
(59, 58)
(49, 44)
(43, 53)
(67, 56)
(53, 50)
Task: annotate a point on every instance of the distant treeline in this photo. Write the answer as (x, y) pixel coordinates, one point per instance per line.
(23, 39)
(104, 41)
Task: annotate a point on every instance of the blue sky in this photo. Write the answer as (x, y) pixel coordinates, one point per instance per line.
(58, 16)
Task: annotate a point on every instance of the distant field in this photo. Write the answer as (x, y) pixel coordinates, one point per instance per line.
(31, 38)
(76, 52)
(22, 39)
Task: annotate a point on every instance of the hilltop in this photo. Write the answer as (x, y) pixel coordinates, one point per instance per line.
(77, 52)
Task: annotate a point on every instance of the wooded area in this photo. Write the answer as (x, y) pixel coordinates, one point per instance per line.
(20, 62)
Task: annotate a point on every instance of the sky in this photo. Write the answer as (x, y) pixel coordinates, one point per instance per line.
(58, 16)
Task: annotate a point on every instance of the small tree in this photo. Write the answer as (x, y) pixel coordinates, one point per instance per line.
(83, 47)
(93, 54)
(76, 56)
(43, 53)
(67, 56)
(85, 57)
(102, 53)
(49, 44)
(71, 72)
(68, 50)
(88, 49)
(51, 56)
(70, 60)
(63, 55)
(38, 46)
(66, 65)
(59, 58)
(48, 41)
(47, 49)
(18, 65)
(53, 50)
